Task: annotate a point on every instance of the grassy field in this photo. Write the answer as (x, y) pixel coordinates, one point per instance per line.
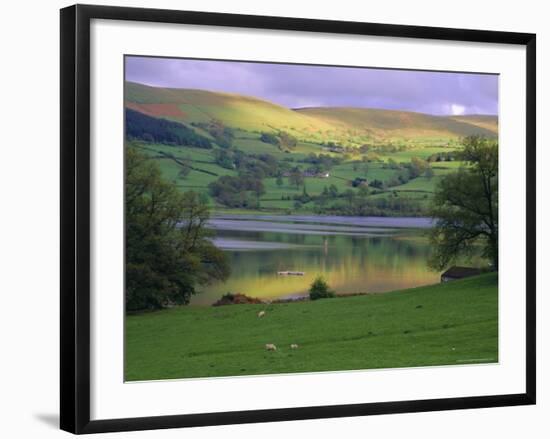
(340, 175)
(445, 324)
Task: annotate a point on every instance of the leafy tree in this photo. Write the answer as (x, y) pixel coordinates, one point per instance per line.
(287, 141)
(363, 191)
(224, 158)
(350, 196)
(392, 164)
(429, 174)
(168, 254)
(241, 191)
(319, 289)
(417, 167)
(185, 167)
(279, 180)
(270, 138)
(465, 204)
(296, 178)
(223, 135)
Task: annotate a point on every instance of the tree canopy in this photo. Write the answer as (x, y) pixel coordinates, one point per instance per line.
(168, 254)
(465, 206)
(140, 126)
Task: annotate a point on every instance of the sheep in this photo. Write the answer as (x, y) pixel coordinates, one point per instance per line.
(293, 346)
(261, 314)
(270, 347)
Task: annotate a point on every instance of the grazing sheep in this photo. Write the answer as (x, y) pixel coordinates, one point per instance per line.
(293, 346)
(270, 347)
(261, 314)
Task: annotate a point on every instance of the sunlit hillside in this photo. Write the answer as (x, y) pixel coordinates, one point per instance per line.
(348, 126)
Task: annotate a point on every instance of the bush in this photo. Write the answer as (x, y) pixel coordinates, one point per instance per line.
(319, 289)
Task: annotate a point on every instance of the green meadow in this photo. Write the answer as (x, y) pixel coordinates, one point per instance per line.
(455, 323)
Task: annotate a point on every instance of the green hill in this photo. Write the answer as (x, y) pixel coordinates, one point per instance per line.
(244, 112)
(347, 126)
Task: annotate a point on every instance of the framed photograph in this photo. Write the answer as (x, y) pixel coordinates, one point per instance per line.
(268, 219)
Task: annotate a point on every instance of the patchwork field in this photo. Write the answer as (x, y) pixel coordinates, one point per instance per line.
(365, 147)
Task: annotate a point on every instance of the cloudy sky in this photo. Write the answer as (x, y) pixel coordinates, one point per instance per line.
(312, 86)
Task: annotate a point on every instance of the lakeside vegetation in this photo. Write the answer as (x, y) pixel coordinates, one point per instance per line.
(455, 323)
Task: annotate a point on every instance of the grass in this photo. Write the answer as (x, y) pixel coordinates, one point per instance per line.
(444, 324)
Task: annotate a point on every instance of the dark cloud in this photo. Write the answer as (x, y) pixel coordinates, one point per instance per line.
(306, 86)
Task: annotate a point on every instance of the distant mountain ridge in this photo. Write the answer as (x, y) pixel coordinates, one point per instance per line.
(347, 125)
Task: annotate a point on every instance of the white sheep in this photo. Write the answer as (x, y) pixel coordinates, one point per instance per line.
(293, 346)
(261, 314)
(270, 347)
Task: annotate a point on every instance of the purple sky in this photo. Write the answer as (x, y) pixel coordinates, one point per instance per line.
(313, 86)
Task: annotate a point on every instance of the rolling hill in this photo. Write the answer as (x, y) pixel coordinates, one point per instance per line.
(348, 126)
(391, 123)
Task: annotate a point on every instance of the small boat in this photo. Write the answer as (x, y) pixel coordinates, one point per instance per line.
(291, 273)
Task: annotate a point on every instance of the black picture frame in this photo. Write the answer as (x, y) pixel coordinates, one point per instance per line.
(75, 217)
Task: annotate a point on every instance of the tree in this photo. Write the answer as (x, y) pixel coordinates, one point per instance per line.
(280, 180)
(319, 289)
(429, 173)
(465, 205)
(363, 191)
(287, 141)
(185, 167)
(350, 196)
(168, 254)
(296, 178)
(270, 138)
(237, 191)
(417, 167)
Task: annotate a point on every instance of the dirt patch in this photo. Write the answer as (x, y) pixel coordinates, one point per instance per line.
(236, 299)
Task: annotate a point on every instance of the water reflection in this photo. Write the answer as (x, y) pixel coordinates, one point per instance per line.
(352, 259)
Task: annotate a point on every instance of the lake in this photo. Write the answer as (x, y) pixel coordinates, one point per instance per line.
(353, 254)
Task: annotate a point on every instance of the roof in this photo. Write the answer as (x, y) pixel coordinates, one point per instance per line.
(460, 272)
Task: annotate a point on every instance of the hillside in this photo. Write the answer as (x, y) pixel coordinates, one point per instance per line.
(347, 126)
(480, 120)
(237, 111)
(390, 123)
(209, 142)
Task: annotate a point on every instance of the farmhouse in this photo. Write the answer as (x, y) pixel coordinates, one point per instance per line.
(455, 273)
(315, 174)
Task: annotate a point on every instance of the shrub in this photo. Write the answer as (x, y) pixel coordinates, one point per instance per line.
(319, 289)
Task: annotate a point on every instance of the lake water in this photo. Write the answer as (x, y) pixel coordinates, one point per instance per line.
(354, 254)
